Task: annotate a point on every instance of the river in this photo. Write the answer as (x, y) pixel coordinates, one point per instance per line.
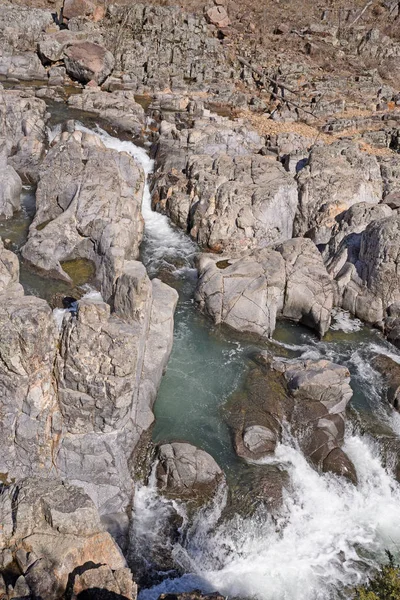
(329, 534)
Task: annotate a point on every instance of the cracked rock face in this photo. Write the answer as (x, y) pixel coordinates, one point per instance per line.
(58, 541)
(23, 131)
(211, 184)
(336, 177)
(88, 206)
(77, 401)
(249, 294)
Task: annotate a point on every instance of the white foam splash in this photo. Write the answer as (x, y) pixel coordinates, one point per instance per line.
(329, 534)
(164, 242)
(58, 316)
(343, 321)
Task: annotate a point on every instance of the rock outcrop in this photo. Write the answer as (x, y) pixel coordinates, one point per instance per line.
(10, 190)
(310, 395)
(88, 206)
(23, 129)
(212, 184)
(52, 543)
(336, 177)
(248, 294)
(77, 401)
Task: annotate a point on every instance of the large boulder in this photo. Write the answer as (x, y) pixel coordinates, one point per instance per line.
(88, 206)
(119, 107)
(186, 471)
(87, 61)
(57, 542)
(336, 177)
(248, 294)
(211, 182)
(310, 395)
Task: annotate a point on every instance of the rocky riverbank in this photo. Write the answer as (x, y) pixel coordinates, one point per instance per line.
(289, 185)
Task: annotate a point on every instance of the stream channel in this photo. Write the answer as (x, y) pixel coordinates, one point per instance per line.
(328, 534)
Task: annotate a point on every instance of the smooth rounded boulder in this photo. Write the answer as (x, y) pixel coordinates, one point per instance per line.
(88, 62)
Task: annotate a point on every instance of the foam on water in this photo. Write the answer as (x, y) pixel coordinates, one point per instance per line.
(164, 243)
(342, 321)
(328, 535)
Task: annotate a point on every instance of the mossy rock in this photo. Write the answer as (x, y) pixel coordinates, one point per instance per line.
(80, 270)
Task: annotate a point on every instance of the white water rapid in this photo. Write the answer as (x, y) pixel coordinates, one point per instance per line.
(329, 535)
(164, 242)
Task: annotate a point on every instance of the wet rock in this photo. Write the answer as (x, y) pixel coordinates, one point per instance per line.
(119, 108)
(87, 61)
(58, 539)
(338, 463)
(336, 177)
(390, 371)
(10, 191)
(309, 395)
(184, 470)
(88, 206)
(195, 595)
(249, 294)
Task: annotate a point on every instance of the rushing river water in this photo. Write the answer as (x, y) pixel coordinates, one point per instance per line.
(329, 533)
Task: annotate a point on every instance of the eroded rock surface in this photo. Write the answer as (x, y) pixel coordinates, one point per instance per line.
(310, 395)
(248, 294)
(88, 206)
(52, 533)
